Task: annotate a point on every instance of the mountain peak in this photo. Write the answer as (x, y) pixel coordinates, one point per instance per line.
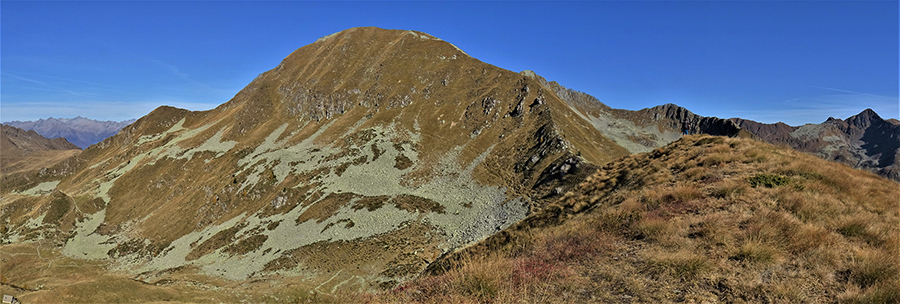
(864, 119)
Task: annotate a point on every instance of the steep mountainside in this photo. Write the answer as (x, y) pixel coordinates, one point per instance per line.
(22, 150)
(80, 131)
(864, 141)
(704, 219)
(353, 164)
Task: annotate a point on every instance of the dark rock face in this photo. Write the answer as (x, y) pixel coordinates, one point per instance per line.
(863, 141)
(674, 116)
(80, 131)
(645, 129)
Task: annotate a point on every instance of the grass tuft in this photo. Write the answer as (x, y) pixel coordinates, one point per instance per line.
(874, 268)
(680, 264)
(757, 251)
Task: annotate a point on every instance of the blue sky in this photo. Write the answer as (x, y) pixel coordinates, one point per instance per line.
(791, 61)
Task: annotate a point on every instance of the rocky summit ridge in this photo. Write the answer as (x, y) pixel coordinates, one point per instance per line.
(357, 162)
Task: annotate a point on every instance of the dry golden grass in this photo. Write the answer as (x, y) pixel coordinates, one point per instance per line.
(684, 224)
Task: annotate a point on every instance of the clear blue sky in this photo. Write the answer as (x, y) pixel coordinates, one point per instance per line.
(791, 61)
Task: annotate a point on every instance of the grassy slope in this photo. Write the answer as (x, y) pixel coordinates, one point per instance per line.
(685, 223)
(426, 95)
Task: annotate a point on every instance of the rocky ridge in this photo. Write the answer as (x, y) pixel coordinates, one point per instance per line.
(863, 141)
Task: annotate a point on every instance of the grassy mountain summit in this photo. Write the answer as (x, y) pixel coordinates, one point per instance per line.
(352, 165)
(371, 157)
(702, 219)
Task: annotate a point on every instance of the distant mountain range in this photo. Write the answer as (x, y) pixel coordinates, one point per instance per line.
(862, 141)
(22, 150)
(80, 131)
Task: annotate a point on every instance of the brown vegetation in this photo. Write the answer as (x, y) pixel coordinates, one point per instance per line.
(685, 223)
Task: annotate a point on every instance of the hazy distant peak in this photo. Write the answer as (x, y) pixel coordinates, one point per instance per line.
(80, 131)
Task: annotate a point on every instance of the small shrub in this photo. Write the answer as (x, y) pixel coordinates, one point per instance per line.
(768, 180)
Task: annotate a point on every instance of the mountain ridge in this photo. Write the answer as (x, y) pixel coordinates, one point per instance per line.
(357, 162)
(864, 141)
(80, 131)
(22, 150)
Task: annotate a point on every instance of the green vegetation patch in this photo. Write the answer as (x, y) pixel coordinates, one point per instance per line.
(768, 180)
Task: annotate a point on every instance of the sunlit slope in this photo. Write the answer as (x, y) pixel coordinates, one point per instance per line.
(22, 151)
(355, 163)
(702, 219)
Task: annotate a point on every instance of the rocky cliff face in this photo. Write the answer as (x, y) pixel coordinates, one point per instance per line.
(863, 141)
(80, 131)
